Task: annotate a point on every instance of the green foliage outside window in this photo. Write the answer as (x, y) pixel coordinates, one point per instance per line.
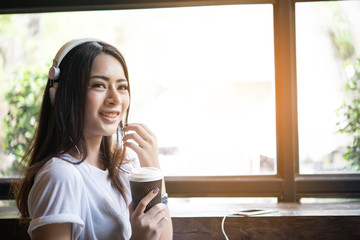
(24, 99)
(350, 111)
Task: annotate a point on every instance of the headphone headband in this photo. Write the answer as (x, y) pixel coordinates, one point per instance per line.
(54, 71)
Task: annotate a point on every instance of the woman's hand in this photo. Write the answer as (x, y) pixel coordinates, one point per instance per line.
(144, 144)
(149, 225)
(155, 223)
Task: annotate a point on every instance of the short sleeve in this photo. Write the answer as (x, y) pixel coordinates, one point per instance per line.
(56, 196)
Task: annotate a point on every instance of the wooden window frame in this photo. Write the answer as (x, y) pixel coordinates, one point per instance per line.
(287, 185)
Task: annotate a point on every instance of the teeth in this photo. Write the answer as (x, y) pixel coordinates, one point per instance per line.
(110, 114)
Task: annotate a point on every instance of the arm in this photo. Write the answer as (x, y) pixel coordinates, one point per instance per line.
(144, 144)
(167, 232)
(58, 231)
(54, 202)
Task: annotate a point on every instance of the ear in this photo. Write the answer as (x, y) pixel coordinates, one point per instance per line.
(52, 92)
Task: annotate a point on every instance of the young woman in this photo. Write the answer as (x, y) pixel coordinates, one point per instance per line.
(76, 185)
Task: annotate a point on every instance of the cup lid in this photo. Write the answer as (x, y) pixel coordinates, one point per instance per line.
(145, 174)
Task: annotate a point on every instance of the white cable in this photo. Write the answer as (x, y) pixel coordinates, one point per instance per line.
(223, 227)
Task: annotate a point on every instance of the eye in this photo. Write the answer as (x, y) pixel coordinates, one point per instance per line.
(98, 85)
(123, 88)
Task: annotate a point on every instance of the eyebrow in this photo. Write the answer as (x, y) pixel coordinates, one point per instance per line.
(107, 79)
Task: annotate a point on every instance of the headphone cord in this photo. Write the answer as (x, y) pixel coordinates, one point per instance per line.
(223, 227)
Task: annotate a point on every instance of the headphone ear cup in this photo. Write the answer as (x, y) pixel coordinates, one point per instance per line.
(52, 92)
(54, 73)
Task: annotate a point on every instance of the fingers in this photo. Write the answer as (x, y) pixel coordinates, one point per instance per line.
(159, 213)
(155, 210)
(134, 136)
(145, 201)
(143, 142)
(143, 132)
(151, 224)
(147, 129)
(141, 138)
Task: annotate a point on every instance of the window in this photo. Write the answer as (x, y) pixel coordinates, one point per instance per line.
(251, 113)
(327, 43)
(194, 79)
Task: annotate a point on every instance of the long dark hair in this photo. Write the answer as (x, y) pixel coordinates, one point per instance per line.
(61, 124)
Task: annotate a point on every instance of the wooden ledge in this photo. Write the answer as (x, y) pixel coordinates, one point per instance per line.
(287, 221)
(183, 208)
(268, 228)
(196, 220)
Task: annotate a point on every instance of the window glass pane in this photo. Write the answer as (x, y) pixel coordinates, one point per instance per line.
(328, 51)
(202, 78)
(8, 209)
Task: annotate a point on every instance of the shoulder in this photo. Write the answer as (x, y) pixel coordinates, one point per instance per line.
(56, 195)
(59, 168)
(56, 181)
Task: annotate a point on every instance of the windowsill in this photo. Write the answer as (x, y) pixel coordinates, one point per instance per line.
(198, 220)
(287, 221)
(220, 209)
(186, 208)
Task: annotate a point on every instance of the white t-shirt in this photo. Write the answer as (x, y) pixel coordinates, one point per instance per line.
(82, 195)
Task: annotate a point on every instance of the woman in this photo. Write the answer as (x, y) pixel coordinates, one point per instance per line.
(76, 185)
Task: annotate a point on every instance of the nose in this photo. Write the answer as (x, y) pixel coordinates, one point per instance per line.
(113, 97)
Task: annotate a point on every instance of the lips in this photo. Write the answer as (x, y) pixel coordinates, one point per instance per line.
(110, 117)
(110, 114)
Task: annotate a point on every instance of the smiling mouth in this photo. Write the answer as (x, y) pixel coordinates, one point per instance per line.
(110, 115)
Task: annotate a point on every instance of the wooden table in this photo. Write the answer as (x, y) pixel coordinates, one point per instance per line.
(195, 220)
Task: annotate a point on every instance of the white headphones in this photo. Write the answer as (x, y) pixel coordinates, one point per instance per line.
(54, 71)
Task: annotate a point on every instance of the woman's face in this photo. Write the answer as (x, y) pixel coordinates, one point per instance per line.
(107, 98)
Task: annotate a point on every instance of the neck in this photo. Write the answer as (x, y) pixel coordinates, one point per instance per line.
(93, 152)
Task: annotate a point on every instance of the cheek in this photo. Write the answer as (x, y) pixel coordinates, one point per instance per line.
(125, 101)
(92, 98)
(92, 102)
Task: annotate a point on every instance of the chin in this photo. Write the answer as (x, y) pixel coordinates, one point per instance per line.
(109, 133)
